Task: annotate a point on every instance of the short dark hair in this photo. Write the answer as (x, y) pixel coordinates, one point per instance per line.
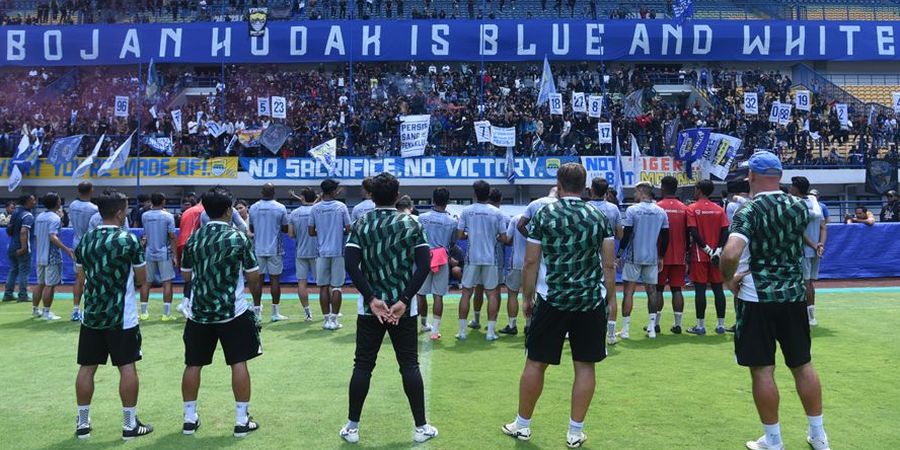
(571, 177)
(385, 188)
(110, 202)
(158, 199)
(440, 196)
(599, 186)
(863, 208)
(308, 195)
(85, 187)
(738, 186)
(329, 186)
(268, 191)
(405, 202)
(50, 200)
(801, 183)
(367, 184)
(241, 202)
(216, 201)
(23, 199)
(495, 195)
(482, 190)
(142, 198)
(669, 185)
(705, 187)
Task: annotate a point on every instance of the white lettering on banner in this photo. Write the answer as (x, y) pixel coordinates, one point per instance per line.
(564, 48)
(841, 111)
(759, 45)
(849, 29)
(653, 169)
(482, 131)
(790, 43)
(595, 106)
(594, 42)
(414, 135)
(640, 39)
(224, 44)
(170, 34)
(885, 40)
(56, 55)
(520, 42)
(15, 45)
(706, 30)
(503, 137)
(489, 36)
(295, 49)
(802, 101)
(95, 47)
(604, 133)
(132, 44)
(675, 32)
(578, 102)
(121, 106)
(751, 105)
(335, 41)
(255, 50)
(279, 107)
(440, 47)
(373, 39)
(556, 107)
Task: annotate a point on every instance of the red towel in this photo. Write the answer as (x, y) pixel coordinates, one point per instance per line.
(439, 259)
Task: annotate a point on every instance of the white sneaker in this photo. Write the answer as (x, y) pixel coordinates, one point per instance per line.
(491, 337)
(760, 444)
(336, 324)
(820, 443)
(278, 317)
(461, 336)
(50, 316)
(651, 332)
(425, 328)
(309, 317)
(514, 430)
(611, 340)
(351, 436)
(425, 433)
(813, 322)
(326, 325)
(37, 314)
(575, 440)
(624, 334)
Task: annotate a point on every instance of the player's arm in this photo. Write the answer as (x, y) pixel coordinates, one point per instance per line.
(530, 272)
(608, 256)
(140, 274)
(24, 235)
(54, 239)
(292, 231)
(823, 237)
(522, 225)
(352, 261)
(620, 231)
(138, 265)
(626, 240)
(423, 268)
(731, 255)
(663, 242)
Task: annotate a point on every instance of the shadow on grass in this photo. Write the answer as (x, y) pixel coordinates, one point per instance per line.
(29, 323)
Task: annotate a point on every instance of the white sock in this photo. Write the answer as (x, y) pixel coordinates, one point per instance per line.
(611, 328)
(811, 310)
(477, 316)
(276, 310)
(307, 311)
(257, 310)
(720, 322)
(435, 325)
(76, 309)
(351, 425)
(424, 319)
(701, 323)
(34, 310)
(512, 322)
(167, 308)
(129, 418)
(46, 311)
(241, 417)
(773, 434)
(522, 422)
(84, 415)
(491, 325)
(145, 306)
(190, 411)
(816, 429)
(575, 427)
(462, 326)
(626, 323)
(652, 324)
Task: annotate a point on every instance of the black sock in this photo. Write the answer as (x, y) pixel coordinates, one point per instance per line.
(700, 299)
(719, 293)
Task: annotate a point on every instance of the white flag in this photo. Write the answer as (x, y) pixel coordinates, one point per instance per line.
(636, 161)
(153, 111)
(604, 133)
(784, 113)
(773, 113)
(176, 120)
(751, 103)
(24, 143)
(262, 106)
(595, 105)
(279, 108)
(895, 100)
(326, 154)
(578, 102)
(121, 109)
(414, 135)
(802, 100)
(483, 131)
(89, 161)
(503, 137)
(841, 110)
(556, 106)
(118, 158)
(15, 177)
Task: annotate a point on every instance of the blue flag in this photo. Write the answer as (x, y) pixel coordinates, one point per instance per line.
(62, 85)
(684, 9)
(161, 144)
(548, 86)
(510, 165)
(152, 87)
(691, 145)
(64, 150)
(619, 175)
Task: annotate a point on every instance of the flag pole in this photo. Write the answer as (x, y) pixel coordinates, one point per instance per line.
(139, 114)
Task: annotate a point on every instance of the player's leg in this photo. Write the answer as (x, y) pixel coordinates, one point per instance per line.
(77, 293)
(303, 269)
(469, 282)
(766, 398)
(613, 309)
(491, 283)
(719, 295)
(513, 284)
(627, 306)
(809, 389)
(700, 306)
(338, 277)
(422, 304)
(437, 311)
(145, 290)
(531, 385)
(323, 277)
(439, 286)
(200, 341)
(811, 301)
(124, 351)
(38, 294)
(276, 267)
(406, 350)
(52, 277)
(477, 305)
(84, 393)
(240, 343)
(582, 393)
(585, 331)
(650, 289)
(369, 335)
(12, 276)
(678, 307)
(167, 298)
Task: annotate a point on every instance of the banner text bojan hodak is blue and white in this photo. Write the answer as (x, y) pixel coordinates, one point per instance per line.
(455, 40)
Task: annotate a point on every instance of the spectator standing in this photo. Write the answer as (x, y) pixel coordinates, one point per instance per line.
(20, 231)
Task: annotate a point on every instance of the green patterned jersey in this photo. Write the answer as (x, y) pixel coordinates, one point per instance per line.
(217, 255)
(773, 224)
(571, 234)
(107, 255)
(388, 240)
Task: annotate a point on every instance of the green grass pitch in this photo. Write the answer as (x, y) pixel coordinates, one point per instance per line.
(677, 392)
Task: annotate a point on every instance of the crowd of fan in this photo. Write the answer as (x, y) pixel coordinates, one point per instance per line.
(364, 115)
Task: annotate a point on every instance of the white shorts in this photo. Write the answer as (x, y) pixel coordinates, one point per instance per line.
(437, 283)
(485, 275)
(271, 265)
(330, 271)
(160, 271)
(514, 279)
(49, 274)
(811, 268)
(644, 273)
(305, 266)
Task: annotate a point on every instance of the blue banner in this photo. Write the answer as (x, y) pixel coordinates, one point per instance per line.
(63, 150)
(436, 167)
(454, 40)
(691, 145)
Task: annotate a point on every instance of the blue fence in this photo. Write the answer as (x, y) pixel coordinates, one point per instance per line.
(852, 251)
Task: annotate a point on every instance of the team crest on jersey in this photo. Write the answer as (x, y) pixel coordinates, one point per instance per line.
(552, 166)
(257, 21)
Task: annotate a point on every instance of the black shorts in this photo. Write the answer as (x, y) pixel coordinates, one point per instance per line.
(547, 334)
(760, 325)
(239, 338)
(121, 346)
